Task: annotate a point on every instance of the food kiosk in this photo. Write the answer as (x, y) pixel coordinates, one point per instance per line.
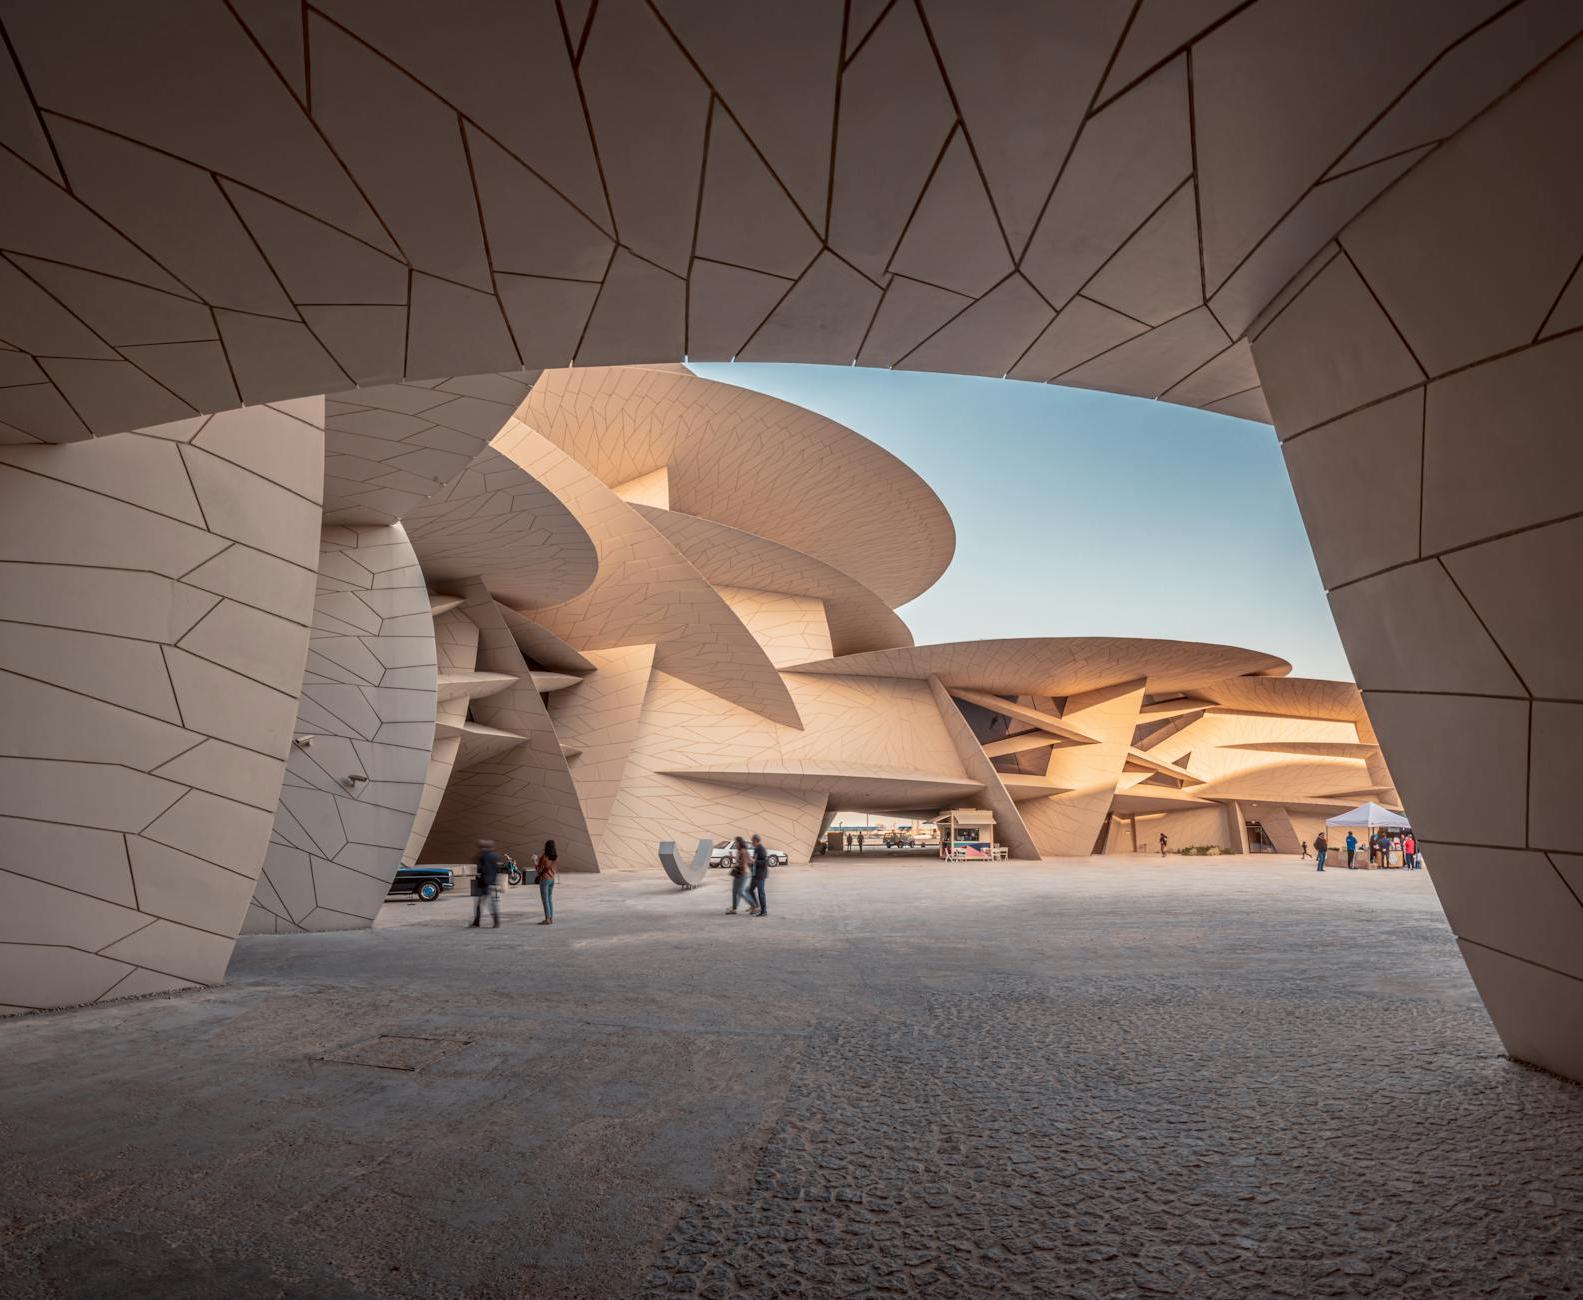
(966, 834)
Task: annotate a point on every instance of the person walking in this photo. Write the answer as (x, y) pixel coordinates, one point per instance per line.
(859, 841)
(487, 883)
(544, 878)
(761, 871)
(740, 857)
(1321, 847)
(1410, 852)
(1162, 843)
(1303, 847)
(1352, 850)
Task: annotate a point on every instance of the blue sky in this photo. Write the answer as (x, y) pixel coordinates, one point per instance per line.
(1081, 513)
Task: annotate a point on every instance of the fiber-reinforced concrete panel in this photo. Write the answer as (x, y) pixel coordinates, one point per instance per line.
(1442, 329)
(158, 589)
(364, 731)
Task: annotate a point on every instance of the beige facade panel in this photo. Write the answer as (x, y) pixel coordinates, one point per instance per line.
(516, 789)
(497, 522)
(355, 779)
(148, 708)
(1057, 666)
(598, 720)
(1302, 697)
(1010, 829)
(389, 447)
(729, 557)
(1069, 822)
(754, 463)
(646, 592)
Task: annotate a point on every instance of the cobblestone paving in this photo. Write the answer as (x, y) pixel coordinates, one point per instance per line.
(1122, 1078)
(1111, 1136)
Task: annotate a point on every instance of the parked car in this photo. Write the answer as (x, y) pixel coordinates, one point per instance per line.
(721, 857)
(426, 882)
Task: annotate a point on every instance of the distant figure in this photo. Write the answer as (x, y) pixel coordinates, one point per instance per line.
(740, 858)
(1303, 846)
(859, 841)
(487, 883)
(1374, 848)
(1162, 843)
(1321, 847)
(1352, 850)
(1410, 852)
(761, 871)
(544, 878)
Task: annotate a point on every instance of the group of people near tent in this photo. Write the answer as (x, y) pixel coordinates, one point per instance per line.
(1390, 841)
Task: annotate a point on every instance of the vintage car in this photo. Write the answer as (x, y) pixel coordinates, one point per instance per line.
(721, 857)
(426, 882)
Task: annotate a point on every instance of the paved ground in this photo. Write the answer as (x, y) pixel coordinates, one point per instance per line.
(1228, 1078)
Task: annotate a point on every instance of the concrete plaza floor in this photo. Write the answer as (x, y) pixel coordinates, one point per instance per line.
(1221, 1077)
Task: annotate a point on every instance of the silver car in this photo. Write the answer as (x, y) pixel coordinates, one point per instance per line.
(721, 857)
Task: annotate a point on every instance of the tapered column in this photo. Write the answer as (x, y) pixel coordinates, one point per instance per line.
(157, 589)
(1426, 378)
(363, 735)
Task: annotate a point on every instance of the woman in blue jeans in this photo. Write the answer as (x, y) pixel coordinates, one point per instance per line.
(545, 879)
(740, 864)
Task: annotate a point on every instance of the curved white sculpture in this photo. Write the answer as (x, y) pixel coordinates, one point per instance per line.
(688, 875)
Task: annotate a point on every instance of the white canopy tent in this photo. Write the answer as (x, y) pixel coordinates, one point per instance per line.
(1370, 815)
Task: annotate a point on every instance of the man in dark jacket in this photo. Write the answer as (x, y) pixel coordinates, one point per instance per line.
(487, 885)
(761, 871)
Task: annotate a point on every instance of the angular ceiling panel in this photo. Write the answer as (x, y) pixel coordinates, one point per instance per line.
(821, 319)
(1024, 73)
(908, 314)
(1082, 330)
(989, 336)
(953, 239)
(175, 211)
(649, 110)
(189, 80)
(747, 54)
(745, 217)
(531, 229)
(404, 146)
(1153, 362)
(725, 305)
(641, 311)
(895, 116)
(1280, 93)
(1155, 275)
(506, 68)
(1127, 161)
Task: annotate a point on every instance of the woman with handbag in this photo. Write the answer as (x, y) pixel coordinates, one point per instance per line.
(544, 878)
(739, 873)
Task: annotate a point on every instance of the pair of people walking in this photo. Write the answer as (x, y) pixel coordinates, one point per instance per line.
(750, 869)
(492, 866)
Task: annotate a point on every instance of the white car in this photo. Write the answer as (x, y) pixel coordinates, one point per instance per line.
(721, 857)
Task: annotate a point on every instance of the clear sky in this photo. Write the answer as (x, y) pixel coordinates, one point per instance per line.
(1086, 514)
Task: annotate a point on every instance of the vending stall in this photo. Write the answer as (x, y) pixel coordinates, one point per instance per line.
(967, 834)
